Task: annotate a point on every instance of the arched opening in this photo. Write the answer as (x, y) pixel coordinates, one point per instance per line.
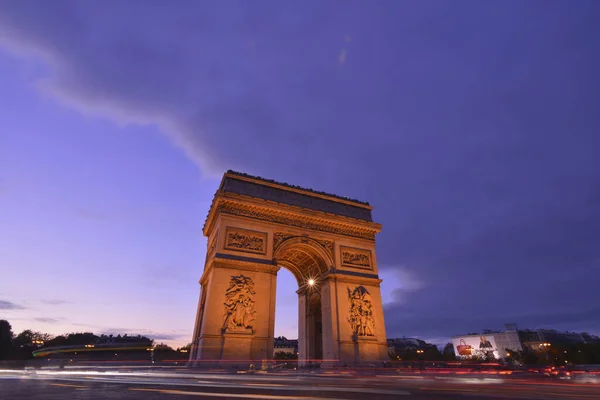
(286, 305)
(308, 262)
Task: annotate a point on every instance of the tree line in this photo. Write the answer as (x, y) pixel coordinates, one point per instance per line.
(22, 346)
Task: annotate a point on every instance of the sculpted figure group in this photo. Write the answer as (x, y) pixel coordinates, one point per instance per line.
(361, 312)
(239, 304)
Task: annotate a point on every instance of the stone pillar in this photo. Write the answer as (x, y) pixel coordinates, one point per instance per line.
(237, 324)
(356, 346)
(303, 355)
(197, 325)
(311, 331)
(330, 323)
(271, 329)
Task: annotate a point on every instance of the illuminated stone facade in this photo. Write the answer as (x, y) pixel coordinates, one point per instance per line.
(255, 227)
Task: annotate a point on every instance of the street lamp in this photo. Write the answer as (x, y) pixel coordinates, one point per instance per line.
(311, 282)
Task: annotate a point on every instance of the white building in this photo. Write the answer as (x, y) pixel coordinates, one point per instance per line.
(487, 344)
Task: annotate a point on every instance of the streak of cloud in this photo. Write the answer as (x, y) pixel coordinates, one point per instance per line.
(8, 305)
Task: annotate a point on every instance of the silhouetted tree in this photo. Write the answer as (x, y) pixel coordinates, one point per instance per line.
(163, 347)
(187, 347)
(432, 354)
(59, 340)
(27, 341)
(529, 357)
(6, 338)
(448, 353)
(27, 337)
(80, 338)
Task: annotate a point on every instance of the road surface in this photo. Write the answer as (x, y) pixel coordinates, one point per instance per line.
(176, 385)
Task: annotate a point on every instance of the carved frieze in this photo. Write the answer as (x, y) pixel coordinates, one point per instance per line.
(328, 245)
(245, 240)
(361, 312)
(356, 258)
(292, 220)
(239, 305)
(279, 238)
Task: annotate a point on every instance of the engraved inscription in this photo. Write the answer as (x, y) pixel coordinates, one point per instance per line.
(239, 305)
(358, 258)
(245, 240)
(361, 312)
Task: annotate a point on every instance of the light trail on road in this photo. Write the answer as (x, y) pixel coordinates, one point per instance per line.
(298, 386)
(231, 395)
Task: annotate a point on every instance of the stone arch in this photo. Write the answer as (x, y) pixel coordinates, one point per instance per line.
(304, 257)
(254, 227)
(307, 259)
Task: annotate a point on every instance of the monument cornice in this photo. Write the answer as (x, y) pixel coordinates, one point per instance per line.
(342, 278)
(220, 260)
(246, 265)
(247, 206)
(297, 189)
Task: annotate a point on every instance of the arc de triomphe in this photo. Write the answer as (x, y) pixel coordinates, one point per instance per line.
(256, 226)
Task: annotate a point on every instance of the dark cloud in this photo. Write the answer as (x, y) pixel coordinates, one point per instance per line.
(8, 305)
(47, 320)
(472, 127)
(55, 302)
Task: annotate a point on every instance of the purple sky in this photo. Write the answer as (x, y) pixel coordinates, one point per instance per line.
(472, 127)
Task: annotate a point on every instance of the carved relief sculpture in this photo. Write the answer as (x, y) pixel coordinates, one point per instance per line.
(245, 240)
(239, 305)
(328, 245)
(361, 312)
(301, 222)
(279, 238)
(357, 258)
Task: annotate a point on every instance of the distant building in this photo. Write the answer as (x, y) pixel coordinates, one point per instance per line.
(399, 345)
(535, 339)
(494, 344)
(285, 345)
(488, 345)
